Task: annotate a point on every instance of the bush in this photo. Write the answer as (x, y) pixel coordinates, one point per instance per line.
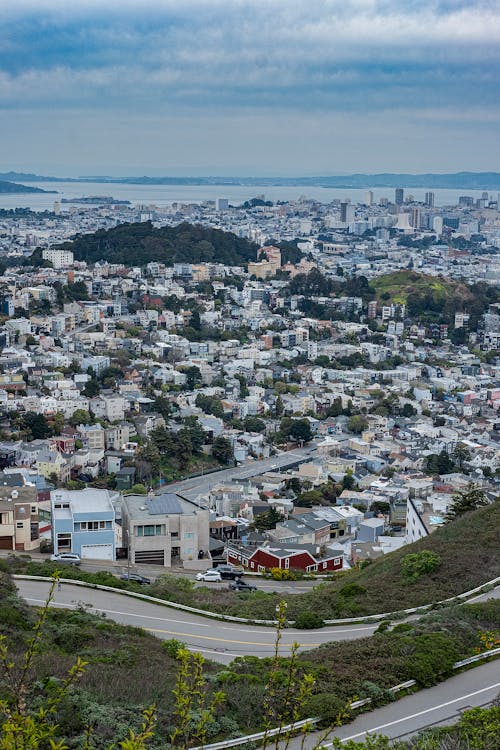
(282, 574)
(308, 621)
(415, 565)
(172, 646)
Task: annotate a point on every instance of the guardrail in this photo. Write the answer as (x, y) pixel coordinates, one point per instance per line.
(231, 618)
(314, 721)
(146, 597)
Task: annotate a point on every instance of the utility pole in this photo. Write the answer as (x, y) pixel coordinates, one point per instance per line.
(128, 552)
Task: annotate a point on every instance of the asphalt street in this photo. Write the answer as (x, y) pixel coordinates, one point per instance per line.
(196, 486)
(439, 705)
(218, 640)
(223, 641)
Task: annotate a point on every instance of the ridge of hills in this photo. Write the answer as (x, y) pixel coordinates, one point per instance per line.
(456, 180)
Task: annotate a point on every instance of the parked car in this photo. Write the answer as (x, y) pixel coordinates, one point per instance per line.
(209, 575)
(66, 558)
(136, 577)
(229, 571)
(239, 585)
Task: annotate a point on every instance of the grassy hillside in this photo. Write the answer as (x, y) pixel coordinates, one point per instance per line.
(398, 286)
(142, 243)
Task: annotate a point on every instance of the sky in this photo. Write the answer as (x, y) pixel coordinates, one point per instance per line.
(249, 87)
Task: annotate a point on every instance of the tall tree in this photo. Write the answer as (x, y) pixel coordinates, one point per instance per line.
(465, 501)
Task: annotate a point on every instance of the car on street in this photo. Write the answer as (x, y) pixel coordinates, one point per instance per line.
(66, 558)
(239, 585)
(211, 575)
(135, 577)
(229, 571)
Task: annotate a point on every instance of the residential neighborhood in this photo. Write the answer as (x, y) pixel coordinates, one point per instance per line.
(367, 332)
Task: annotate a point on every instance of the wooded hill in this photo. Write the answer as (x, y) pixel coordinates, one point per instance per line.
(142, 243)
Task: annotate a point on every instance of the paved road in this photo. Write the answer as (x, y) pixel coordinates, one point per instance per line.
(438, 705)
(220, 641)
(196, 486)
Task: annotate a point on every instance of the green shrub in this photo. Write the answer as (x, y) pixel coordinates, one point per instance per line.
(308, 621)
(172, 646)
(418, 564)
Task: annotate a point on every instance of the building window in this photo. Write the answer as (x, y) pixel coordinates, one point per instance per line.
(325, 565)
(19, 525)
(150, 530)
(83, 525)
(336, 561)
(189, 535)
(33, 509)
(287, 562)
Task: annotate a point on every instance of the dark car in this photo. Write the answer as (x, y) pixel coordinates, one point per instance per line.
(229, 571)
(135, 577)
(239, 585)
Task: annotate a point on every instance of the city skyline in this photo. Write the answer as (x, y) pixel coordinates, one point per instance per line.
(249, 88)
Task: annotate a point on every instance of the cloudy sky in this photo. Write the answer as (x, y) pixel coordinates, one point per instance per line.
(251, 87)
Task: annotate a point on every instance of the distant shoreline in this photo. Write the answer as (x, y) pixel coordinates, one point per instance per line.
(453, 181)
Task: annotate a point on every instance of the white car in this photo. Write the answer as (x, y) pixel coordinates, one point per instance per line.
(66, 558)
(209, 575)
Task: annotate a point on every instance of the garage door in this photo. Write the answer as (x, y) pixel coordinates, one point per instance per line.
(97, 552)
(5, 542)
(150, 557)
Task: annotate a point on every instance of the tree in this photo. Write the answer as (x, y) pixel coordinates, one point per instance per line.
(300, 430)
(267, 520)
(244, 392)
(222, 450)
(408, 411)
(58, 423)
(461, 454)
(92, 388)
(466, 501)
(254, 424)
(148, 461)
(348, 482)
(37, 425)
(193, 377)
(357, 424)
(279, 406)
(80, 416)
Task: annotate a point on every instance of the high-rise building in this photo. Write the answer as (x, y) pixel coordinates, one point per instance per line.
(399, 196)
(369, 198)
(346, 212)
(416, 216)
(429, 199)
(222, 204)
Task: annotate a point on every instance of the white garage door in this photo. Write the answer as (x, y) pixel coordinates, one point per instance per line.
(97, 552)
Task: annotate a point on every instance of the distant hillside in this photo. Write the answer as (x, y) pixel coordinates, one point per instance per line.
(454, 181)
(398, 286)
(15, 187)
(433, 299)
(142, 243)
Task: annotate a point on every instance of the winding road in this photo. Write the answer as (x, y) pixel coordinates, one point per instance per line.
(218, 640)
(223, 641)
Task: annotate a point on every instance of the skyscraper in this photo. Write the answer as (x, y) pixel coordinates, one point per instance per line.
(399, 195)
(369, 198)
(429, 199)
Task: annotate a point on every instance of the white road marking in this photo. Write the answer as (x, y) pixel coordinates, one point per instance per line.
(419, 713)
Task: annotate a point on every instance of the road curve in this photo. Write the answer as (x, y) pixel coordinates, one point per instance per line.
(439, 705)
(218, 640)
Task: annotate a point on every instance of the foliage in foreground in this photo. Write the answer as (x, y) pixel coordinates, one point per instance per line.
(105, 697)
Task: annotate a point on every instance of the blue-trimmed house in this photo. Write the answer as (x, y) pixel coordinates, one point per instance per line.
(83, 521)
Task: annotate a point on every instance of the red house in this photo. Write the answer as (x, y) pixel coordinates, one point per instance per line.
(291, 557)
